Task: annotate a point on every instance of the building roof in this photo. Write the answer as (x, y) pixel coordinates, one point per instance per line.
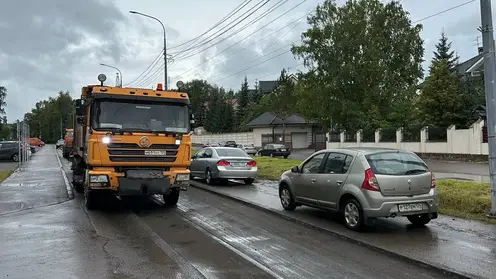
(473, 64)
(269, 119)
(267, 86)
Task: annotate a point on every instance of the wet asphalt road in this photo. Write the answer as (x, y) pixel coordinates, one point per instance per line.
(462, 246)
(206, 236)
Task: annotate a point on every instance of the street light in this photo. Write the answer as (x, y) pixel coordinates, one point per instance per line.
(165, 43)
(120, 73)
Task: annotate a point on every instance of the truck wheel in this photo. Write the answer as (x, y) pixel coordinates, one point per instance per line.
(78, 187)
(172, 198)
(90, 199)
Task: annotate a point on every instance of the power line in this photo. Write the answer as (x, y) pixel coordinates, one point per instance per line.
(242, 19)
(253, 60)
(265, 61)
(234, 21)
(297, 21)
(417, 21)
(270, 10)
(229, 15)
(155, 61)
(443, 11)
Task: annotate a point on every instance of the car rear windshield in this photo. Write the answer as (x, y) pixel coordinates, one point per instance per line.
(228, 152)
(279, 146)
(396, 163)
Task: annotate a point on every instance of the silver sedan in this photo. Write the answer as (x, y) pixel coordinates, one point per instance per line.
(216, 164)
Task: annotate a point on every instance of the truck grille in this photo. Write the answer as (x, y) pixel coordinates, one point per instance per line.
(132, 152)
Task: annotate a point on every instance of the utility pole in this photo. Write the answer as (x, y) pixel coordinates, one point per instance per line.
(490, 88)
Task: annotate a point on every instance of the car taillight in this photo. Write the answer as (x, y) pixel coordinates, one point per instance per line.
(433, 180)
(223, 163)
(252, 163)
(370, 182)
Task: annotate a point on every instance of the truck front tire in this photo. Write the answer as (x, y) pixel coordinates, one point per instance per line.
(91, 199)
(172, 198)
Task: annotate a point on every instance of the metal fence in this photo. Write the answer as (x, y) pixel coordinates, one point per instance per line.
(24, 145)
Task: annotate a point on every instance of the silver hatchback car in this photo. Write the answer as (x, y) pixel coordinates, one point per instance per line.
(363, 184)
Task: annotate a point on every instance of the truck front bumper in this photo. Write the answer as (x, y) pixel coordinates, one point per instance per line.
(138, 184)
(147, 186)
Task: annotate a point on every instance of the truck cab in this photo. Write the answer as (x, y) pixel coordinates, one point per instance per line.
(131, 142)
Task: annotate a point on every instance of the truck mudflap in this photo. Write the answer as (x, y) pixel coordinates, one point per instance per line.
(146, 186)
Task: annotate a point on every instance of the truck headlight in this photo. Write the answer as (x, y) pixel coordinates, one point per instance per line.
(98, 179)
(106, 140)
(182, 177)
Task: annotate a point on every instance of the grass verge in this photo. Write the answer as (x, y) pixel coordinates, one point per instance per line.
(4, 174)
(463, 199)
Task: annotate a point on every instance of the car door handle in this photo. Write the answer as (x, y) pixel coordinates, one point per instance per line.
(313, 180)
(339, 182)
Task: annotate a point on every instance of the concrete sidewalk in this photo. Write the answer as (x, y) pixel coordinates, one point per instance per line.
(458, 246)
(40, 182)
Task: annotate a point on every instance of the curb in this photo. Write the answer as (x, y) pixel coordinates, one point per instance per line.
(449, 272)
(68, 186)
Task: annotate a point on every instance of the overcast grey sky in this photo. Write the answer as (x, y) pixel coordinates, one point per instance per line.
(53, 45)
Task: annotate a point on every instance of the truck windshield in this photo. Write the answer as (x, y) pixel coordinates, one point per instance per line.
(140, 116)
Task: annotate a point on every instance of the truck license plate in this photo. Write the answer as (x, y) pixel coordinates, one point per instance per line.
(410, 207)
(144, 174)
(155, 153)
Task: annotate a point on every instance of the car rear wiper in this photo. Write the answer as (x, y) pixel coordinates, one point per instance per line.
(415, 171)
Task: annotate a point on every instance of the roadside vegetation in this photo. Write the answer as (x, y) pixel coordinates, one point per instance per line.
(4, 174)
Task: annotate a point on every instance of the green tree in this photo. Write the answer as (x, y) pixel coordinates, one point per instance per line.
(362, 58)
(440, 102)
(4, 129)
(243, 103)
(49, 118)
(443, 52)
(198, 91)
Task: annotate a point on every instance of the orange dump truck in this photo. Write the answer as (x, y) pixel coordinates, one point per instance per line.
(131, 142)
(68, 140)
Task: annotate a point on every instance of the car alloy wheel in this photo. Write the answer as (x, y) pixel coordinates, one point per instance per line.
(351, 215)
(285, 197)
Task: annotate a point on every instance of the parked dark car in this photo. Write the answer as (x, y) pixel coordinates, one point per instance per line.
(60, 143)
(275, 150)
(9, 150)
(230, 143)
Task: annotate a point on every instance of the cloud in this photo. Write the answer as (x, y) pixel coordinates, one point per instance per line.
(48, 46)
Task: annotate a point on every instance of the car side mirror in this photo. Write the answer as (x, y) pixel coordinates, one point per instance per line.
(295, 169)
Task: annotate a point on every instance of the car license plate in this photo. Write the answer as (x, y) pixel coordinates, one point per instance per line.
(410, 207)
(283, 150)
(155, 153)
(238, 164)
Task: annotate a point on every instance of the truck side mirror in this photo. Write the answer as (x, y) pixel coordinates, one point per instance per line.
(80, 119)
(80, 108)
